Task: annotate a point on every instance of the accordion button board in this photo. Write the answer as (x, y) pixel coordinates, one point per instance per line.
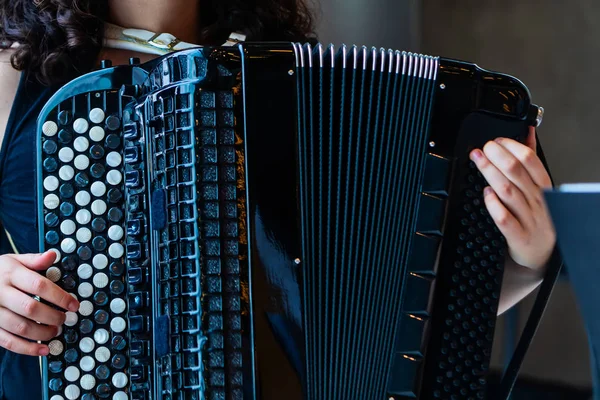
(270, 221)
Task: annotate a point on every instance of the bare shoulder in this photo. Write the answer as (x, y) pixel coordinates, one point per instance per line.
(9, 81)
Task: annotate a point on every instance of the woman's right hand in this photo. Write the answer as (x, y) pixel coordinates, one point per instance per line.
(20, 312)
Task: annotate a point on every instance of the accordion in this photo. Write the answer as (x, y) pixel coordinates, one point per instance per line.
(274, 221)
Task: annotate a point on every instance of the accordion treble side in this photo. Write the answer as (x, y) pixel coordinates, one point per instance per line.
(275, 220)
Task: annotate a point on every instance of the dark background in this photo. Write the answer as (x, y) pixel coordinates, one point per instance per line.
(553, 48)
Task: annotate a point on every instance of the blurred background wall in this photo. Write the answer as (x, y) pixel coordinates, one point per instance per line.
(554, 48)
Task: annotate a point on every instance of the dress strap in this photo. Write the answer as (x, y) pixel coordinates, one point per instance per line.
(144, 41)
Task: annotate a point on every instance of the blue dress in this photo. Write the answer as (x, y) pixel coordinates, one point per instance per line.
(20, 375)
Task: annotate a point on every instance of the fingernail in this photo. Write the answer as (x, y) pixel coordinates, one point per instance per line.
(476, 154)
(74, 306)
(487, 190)
(498, 140)
(44, 351)
(60, 329)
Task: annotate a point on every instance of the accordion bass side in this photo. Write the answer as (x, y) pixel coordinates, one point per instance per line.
(275, 220)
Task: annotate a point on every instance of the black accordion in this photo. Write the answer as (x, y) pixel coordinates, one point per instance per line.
(275, 221)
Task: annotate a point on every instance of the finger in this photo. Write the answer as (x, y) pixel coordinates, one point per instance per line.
(30, 308)
(531, 140)
(37, 262)
(529, 160)
(512, 168)
(508, 225)
(21, 346)
(506, 191)
(25, 328)
(33, 283)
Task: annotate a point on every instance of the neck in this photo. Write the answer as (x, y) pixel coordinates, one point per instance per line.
(177, 17)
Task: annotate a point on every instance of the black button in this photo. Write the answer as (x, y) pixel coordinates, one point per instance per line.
(71, 336)
(113, 122)
(102, 372)
(50, 164)
(71, 355)
(117, 287)
(96, 152)
(114, 195)
(118, 343)
(82, 180)
(69, 263)
(117, 268)
(101, 317)
(118, 361)
(115, 214)
(112, 141)
(51, 220)
(69, 283)
(55, 384)
(65, 136)
(84, 252)
(86, 326)
(55, 367)
(52, 238)
(50, 147)
(99, 243)
(66, 190)
(101, 298)
(97, 170)
(99, 224)
(64, 117)
(67, 209)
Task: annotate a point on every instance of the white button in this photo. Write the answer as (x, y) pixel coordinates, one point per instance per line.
(53, 274)
(66, 173)
(83, 216)
(115, 232)
(98, 207)
(67, 227)
(100, 261)
(120, 396)
(71, 319)
(113, 177)
(66, 154)
(115, 250)
(86, 308)
(72, 373)
(85, 290)
(68, 245)
(113, 159)
(56, 347)
(86, 344)
(57, 397)
(72, 392)
(87, 382)
(51, 183)
(82, 162)
(101, 336)
(118, 325)
(81, 144)
(57, 259)
(84, 235)
(98, 189)
(119, 380)
(100, 280)
(87, 363)
(102, 354)
(117, 305)
(82, 198)
(51, 201)
(85, 271)
(96, 115)
(80, 125)
(49, 128)
(96, 133)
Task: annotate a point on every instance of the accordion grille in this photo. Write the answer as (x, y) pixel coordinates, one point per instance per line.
(363, 129)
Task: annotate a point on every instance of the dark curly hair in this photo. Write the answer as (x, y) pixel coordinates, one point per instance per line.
(60, 38)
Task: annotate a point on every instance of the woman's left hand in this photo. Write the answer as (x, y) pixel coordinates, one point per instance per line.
(515, 200)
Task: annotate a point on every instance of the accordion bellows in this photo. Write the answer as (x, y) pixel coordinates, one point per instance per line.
(275, 221)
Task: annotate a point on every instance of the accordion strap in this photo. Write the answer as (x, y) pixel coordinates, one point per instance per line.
(535, 316)
(149, 42)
